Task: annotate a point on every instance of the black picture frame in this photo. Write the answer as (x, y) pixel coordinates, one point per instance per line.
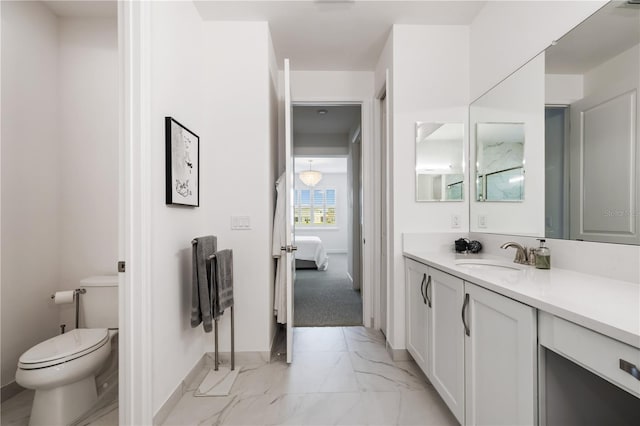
(182, 164)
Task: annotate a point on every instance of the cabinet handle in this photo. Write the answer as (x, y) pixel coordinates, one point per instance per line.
(467, 331)
(426, 291)
(424, 278)
(627, 367)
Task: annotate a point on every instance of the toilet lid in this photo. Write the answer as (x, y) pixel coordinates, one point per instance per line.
(68, 345)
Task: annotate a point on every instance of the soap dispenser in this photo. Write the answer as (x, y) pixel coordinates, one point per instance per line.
(543, 256)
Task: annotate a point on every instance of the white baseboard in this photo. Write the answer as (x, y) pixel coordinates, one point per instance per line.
(206, 361)
(164, 411)
(398, 354)
(336, 251)
(10, 390)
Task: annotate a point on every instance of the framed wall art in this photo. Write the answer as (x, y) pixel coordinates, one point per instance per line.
(182, 164)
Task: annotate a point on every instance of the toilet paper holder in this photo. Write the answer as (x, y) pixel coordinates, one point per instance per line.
(76, 299)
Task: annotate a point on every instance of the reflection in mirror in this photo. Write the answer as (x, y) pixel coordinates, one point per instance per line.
(591, 129)
(439, 161)
(499, 161)
(503, 119)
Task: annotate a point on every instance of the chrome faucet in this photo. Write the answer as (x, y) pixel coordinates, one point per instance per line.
(521, 252)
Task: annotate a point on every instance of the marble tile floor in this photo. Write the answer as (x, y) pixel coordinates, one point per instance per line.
(15, 411)
(339, 376)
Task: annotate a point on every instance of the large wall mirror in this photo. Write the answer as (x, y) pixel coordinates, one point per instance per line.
(589, 153)
(439, 161)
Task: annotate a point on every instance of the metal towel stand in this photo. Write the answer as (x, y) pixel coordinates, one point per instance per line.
(215, 326)
(216, 361)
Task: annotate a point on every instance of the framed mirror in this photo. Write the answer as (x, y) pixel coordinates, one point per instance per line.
(499, 161)
(439, 161)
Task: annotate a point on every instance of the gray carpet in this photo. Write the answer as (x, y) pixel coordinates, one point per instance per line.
(326, 298)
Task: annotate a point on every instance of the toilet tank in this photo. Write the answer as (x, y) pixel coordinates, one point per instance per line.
(99, 305)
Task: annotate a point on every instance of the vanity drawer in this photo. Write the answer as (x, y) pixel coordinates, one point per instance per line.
(600, 354)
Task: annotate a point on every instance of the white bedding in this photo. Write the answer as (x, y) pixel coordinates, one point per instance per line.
(311, 248)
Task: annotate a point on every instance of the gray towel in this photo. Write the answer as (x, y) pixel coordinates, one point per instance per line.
(202, 249)
(222, 279)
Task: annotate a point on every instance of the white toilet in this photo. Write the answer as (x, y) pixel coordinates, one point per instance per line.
(62, 369)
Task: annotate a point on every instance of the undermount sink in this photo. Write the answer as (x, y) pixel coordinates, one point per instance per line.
(488, 265)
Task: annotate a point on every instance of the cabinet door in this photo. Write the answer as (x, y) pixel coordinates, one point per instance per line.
(446, 346)
(417, 312)
(500, 360)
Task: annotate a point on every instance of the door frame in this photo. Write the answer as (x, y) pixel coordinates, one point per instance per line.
(134, 207)
(381, 161)
(367, 174)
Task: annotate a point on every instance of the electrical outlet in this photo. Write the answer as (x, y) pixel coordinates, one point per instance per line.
(482, 221)
(455, 221)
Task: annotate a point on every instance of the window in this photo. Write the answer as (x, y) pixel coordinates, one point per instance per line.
(315, 207)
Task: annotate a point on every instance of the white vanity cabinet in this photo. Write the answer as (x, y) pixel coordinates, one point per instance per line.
(477, 348)
(446, 344)
(500, 359)
(435, 335)
(417, 312)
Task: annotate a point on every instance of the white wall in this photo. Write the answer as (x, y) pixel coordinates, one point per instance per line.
(506, 34)
(176, 90)
(563, 89)
(239, 90)
(327, 85)
(225, 92)
(30, 179)
(430, 83)
(320, 144)
(335, 239)
(616, 75)
(88, 144)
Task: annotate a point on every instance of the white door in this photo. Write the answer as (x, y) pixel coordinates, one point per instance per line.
(417, 312)
(289, 228)
(500, 359)
(446, 345)
(604, 175)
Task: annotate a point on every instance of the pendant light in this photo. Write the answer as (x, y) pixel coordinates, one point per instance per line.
(310, 177)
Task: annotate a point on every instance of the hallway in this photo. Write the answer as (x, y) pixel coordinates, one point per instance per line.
(326, 298)
(339, 376)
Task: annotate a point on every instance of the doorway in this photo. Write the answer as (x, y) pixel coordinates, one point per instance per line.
(67, 201)
(327, 215)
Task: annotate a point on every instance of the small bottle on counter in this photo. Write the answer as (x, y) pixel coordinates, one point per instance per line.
(543, 256)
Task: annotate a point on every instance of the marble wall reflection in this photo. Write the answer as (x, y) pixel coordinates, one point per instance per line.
(439, 161)
(500, 161)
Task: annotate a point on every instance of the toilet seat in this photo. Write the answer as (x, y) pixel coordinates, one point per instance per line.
(64, 348)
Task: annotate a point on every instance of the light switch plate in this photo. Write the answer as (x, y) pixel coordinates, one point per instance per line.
(482, 221)
(240, 223)
(455, 221)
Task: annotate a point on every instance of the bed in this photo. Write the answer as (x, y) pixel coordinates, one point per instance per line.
(311, 253)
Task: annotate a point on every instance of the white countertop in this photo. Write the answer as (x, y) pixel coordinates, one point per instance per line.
(610, 307)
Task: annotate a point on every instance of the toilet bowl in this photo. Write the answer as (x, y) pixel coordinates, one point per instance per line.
(62, 372)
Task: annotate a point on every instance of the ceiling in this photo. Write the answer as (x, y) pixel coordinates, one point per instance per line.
(340, 119)
(606, 34)
(327, 35)
(321, 164)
